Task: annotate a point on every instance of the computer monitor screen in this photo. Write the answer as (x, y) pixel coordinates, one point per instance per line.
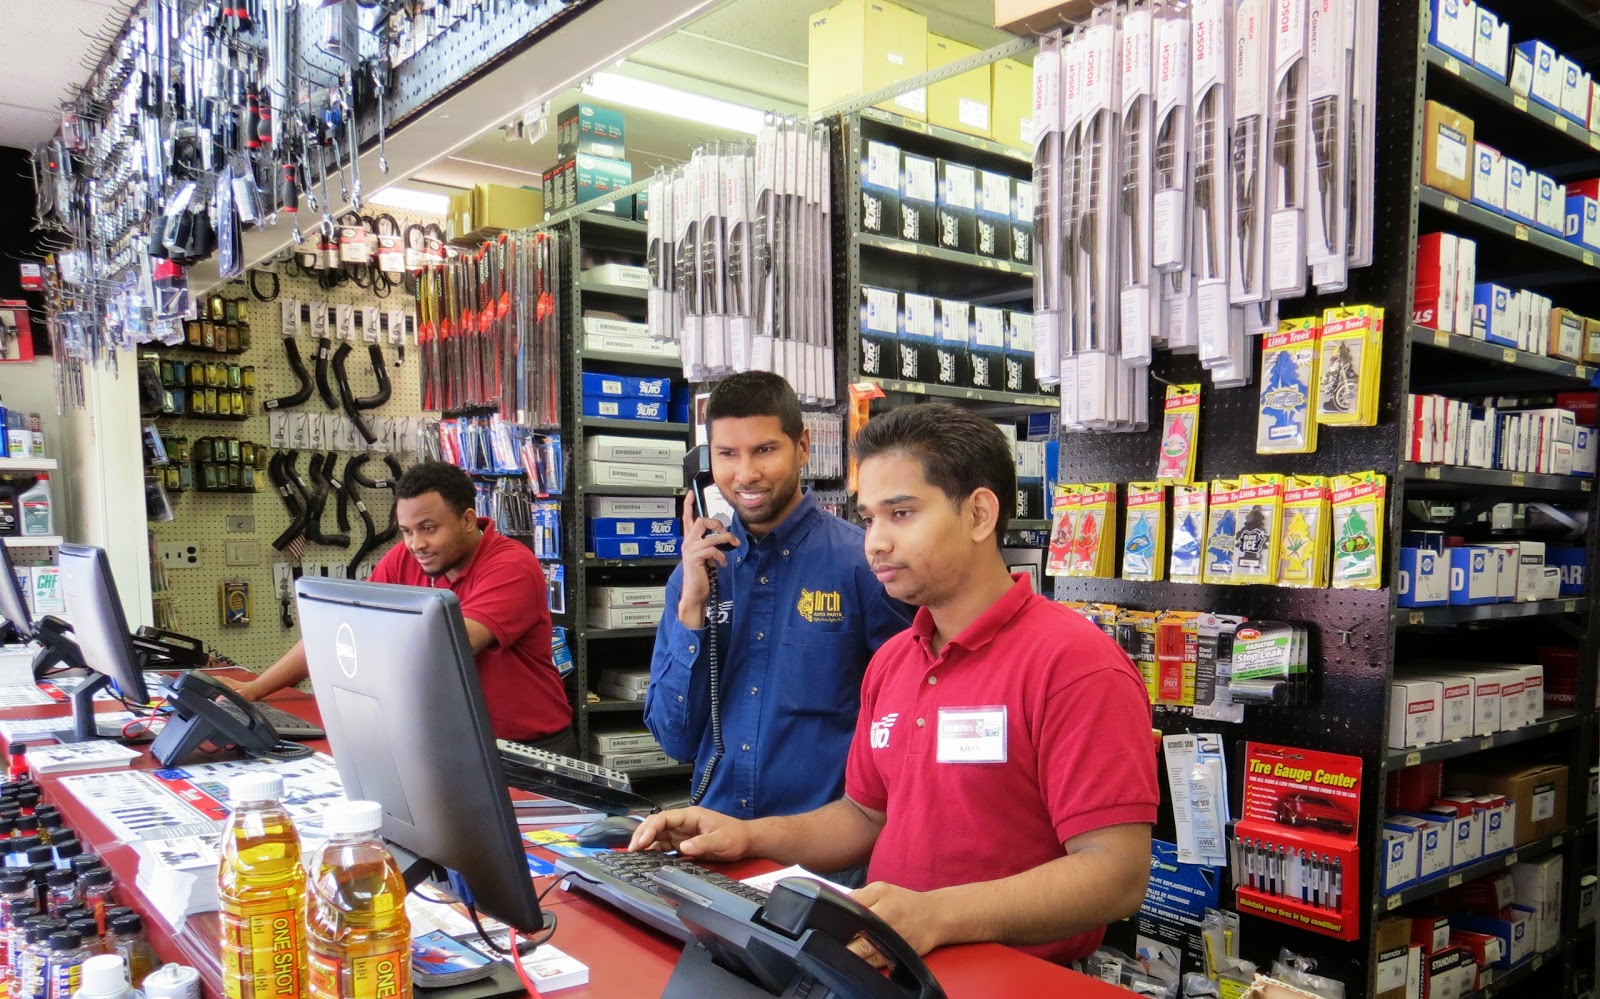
(100, 630)
(13, 604)
(398, 690)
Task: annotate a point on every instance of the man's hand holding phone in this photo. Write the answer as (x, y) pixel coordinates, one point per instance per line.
(706, 542)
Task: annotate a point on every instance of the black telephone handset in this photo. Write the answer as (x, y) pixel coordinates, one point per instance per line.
(796, 940)
(198, 717)
(707, 497)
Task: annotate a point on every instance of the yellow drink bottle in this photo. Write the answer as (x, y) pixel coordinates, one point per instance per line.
(356, 925)
(261, 886)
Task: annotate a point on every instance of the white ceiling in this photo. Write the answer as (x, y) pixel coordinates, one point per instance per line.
(54, 44)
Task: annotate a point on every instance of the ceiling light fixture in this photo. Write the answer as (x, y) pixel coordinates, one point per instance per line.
(412, 200)
(647, 96)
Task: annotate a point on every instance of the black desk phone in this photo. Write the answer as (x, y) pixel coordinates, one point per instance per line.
(795, 944)
(204, 710)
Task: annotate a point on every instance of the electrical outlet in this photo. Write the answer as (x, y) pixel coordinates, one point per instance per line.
(241, 525)
(180, 555)
(244, 552)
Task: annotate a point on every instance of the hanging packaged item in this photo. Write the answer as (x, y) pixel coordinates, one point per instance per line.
(1222, 525)
(1358, 524)
(1146, 533)
(1213, 678)
(1259, 518)
(1288, 373)
(1188, 532)
(1136, 633)
(1180, 429)
(1271, 663)
(1303, 554)
(1093, 543)
(1177, 641)
(1068, 503)
(1350, 365)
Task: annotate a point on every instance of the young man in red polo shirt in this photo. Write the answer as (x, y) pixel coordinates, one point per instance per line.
(503, 600)
(1002, 778)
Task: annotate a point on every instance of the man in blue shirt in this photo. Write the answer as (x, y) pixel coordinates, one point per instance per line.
(798, 615)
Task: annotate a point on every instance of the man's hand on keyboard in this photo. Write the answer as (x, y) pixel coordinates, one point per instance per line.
(694, 832)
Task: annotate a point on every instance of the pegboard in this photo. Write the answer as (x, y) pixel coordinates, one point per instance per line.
(202, 518)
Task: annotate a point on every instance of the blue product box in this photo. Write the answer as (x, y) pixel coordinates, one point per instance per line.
(1474, 576)
(1424, 578)
(1570, 559)
(1583, 452)
(1583, 222)
(1432, 541)
(623, 548)
(643, 410)
(1491, 309)
(627, 528)
(682, 399)
(1044, 426)
(1545, 85)
(1453, 27)
(625, 386)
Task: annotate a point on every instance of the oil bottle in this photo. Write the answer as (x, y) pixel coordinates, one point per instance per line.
(356, 925)
(261, 887)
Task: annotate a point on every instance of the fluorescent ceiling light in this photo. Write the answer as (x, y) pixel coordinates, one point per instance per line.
(412, 200)
(647, 96)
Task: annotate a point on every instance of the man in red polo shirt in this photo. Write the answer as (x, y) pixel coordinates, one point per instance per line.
(503, 600)
(1002, 777)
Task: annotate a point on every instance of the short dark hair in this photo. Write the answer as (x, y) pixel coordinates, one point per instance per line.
(451, 483)
(756, 393)
(960, 451)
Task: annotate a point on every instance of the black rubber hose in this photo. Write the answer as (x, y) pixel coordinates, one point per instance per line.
(302, 378)
(347, 396)
(324, 351)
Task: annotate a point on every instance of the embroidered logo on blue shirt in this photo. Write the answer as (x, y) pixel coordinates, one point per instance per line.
(820, 605)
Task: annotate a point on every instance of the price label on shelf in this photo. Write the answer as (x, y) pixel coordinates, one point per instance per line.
(1455, 881)
(1486, 743)
(1561, 124)
(1586, 486)
(1432, 473)
(1518, 479)
(1451, 205)
(1413, 759)
(1521, 232)
(1594, 140)
(1569, 606)
(1451, 64)
(1508, 355)
(1511, 858)
(1392, 903)
(1415, 617)
(1581, 371)
(1519, 102)
(1588, 258)
(1441, 338)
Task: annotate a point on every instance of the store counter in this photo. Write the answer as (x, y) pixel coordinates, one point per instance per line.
(625, 959)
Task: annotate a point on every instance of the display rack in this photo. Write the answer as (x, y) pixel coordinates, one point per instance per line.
(1357, 636)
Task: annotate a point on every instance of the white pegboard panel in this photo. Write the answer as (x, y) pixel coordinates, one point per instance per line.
(202, 518)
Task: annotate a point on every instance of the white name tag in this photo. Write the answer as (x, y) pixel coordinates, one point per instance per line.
(972, 735)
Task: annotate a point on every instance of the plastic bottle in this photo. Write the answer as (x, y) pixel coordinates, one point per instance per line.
(10, 511)
(106, 977)
(86, 927)
(38, 519)
(84, 861)
(52, 827)
(63, 887)
(261, 887)
(67, 954)
(14, 933)
(356, 924)
(126, 939)
(66, 850)
(30, 977)
(97, 893)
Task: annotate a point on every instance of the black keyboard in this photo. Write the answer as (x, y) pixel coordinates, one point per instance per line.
(566, 779)
(288, 726)
(629, 882)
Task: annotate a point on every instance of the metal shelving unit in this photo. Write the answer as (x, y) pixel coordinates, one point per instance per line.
(1459, 877)
(1556, 722)
(1482, 350)
(27, 464)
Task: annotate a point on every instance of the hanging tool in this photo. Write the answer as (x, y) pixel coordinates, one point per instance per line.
(380, 84)
(375, 538)
(321, 485)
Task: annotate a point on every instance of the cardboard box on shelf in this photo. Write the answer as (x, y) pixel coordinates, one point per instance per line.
(498, 206)
(1029, 17)
(1393, 947)
(1538, 886)
(1447, 150)
(591, 130)
(1011, 104)
(861, 46)
(961, 102)
(1538, 790)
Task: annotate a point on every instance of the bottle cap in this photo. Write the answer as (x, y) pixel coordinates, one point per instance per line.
(255, 787)
(22, 844)
(104, 975)
(68, 849)
(10, 884)
(40, 928)
(344, 818)
(84, 926)
(119, 910)
(28, 797)
(95, 877)
(127, 923)
(65, 940)
(27, 824)
(40, 854)
(76, 910)
(50, 820)
(86, 860)
(60, 879)
(38, 872)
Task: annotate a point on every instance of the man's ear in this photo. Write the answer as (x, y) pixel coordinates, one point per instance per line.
(985, 513)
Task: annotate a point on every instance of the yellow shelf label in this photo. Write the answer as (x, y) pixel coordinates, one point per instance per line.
(1432, 473)
(1519, 102)
(1594, 140)
(1508, 355)
(1441, 338)
(1452, 205)
(1521, 232)
(1588, 258)
(1455, 881)
(1413, 759)
(1452, 65)
(1415, 617)
(1518, 479)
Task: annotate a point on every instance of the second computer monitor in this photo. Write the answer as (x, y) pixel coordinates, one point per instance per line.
(13, 605)
(101, 632)
(398, 690)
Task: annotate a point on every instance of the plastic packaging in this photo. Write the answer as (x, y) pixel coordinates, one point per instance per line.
(106, 977)
(125, 938)
(10, 511)
(67, 954)
(356, 925)
(97, 893)
(38, 517)
(260, 885)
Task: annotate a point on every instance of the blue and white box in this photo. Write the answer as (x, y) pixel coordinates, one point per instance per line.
(646, 410)
(623, 527)
(636, 547)
(1550, 209)
(1492, 318)
(1488, 178)
(1522, 196)
(1433, 850)
(1455, 27)
(1576, 91)
(1492, 51)
(1401, 849)
(1545, 82)
(609, 386)
(1424, 578)
(1570, 560)
(1583, 221)
(1584, 450)
(1474, 576)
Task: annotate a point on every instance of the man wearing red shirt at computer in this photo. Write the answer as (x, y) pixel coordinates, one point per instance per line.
(501, 587)
(1002, 778)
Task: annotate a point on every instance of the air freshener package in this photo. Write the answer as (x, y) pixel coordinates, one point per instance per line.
(1068, 501)
(1145, 537)
(1259, 518)
(1180, 422)
(1288, 374)
(1303, 552)
(1092, 551)
(1351, 360)
(1358, 524)
(1222, 525)
(1188, 533)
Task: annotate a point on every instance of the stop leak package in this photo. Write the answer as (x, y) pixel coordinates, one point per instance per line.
(1295, 857)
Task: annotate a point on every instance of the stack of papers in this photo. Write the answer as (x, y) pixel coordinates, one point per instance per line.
(179, 876)
(98, 754)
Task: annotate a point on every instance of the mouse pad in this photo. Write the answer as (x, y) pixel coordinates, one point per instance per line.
(562, 840)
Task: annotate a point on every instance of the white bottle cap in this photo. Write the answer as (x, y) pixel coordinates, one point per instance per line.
(103, 977)
(265, 786)
(343, 818)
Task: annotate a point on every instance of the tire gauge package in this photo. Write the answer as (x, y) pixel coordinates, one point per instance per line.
(1294, 850)
(1188, 532)
(1146, 534)
(1358, 526)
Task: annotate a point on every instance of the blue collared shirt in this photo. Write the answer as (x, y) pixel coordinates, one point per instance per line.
(800, 613)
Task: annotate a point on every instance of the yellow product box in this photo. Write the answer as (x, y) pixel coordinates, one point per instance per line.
(1011, 104)
(961, 102)
(499, 206)
(860, 46)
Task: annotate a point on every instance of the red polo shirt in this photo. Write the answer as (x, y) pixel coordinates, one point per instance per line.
(1076, 746)
(502, 588)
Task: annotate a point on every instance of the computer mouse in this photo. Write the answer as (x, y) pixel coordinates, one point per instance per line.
(611, 831)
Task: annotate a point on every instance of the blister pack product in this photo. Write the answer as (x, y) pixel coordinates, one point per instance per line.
(1358, 525)
(1189, 522)
(1093, 551)
(1136, 154)
(1222, 528)
(1250, 169)
(1291, 149)
(1144, 544)
(1067, 504)
(1303, 556)
(1213, 680)
(1350, 365)
(1049, 304)
(1271, 663)
(1289, 357)
(1258, 507)
(1180, 422)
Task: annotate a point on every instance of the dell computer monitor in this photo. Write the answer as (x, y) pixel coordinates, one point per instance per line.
(101, 633)
(398, 690)
(13, 605)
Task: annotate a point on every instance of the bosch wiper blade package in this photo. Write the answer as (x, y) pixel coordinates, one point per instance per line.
(1286, 272)
(1135, 227)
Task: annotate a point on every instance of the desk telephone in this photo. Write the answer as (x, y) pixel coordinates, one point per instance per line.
(204, 710)
(793, 945)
